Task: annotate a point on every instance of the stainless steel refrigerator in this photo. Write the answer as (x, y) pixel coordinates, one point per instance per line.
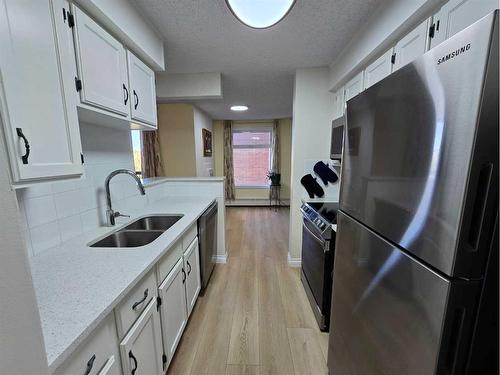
(415, 280)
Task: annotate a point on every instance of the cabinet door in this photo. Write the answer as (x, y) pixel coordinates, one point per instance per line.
(354, 86)
(143, 91)
(173, 308)
(141, 350)
(412, 45)
(110, 368)
(98, 355)
(192, 267)
(339, 103)
(37, 91)
(456, 15)
(102, 66)
(378, 70)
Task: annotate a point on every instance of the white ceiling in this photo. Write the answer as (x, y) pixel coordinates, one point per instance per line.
(257, 66)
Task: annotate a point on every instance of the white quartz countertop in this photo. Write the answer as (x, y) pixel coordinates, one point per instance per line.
(78, 286)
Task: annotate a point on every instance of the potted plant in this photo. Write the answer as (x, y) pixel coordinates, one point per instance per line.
(274, 178)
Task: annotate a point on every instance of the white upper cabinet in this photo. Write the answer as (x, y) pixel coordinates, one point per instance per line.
(37, 101)
(141, 349)
(102, 66)
(379, 69)
(354, 86)
(143, 91)
(338, 103)
(412, 45)
(193, 281)
(456, 15)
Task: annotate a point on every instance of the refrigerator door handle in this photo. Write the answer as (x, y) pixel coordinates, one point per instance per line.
(479, 207)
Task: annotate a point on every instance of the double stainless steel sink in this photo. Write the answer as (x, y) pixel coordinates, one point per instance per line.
(138, 233)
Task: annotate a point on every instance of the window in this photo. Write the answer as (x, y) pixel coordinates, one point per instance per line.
(251, 157)
(137, 150)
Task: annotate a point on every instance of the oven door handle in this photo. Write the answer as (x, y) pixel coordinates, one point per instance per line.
(325, 244)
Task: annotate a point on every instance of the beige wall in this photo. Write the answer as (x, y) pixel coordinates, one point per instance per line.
(285, 149)
(176, 137)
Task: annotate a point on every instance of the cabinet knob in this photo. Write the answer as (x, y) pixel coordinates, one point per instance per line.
(136, 100)
(132, 357)
(189, 265)
(146, 292)
(183, 276)
(126, 94)
(21, 135)
(90, 364)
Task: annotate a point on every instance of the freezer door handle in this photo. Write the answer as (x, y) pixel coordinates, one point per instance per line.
(458, 328)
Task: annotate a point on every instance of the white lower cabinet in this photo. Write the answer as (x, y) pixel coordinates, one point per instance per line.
(173, 308)
(98, 355)
(192, 267)
(150, 323)
(141, 349)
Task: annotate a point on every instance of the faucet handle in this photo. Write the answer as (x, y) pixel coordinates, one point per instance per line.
(117, 214)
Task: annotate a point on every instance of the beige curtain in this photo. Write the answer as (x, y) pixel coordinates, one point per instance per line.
(228, 160)
(151, 163)
(275, 167)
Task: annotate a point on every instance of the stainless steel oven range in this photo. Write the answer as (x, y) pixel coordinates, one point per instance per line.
(318, 243)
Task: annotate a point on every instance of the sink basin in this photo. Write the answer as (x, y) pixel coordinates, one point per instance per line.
(154, 222)
(128, 238)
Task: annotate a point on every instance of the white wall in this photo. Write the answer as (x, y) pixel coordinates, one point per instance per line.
(184, 86)
(311, 127)
(203, 164)
(122, 18)
(22, 349)
(54, 212)
(391, 21)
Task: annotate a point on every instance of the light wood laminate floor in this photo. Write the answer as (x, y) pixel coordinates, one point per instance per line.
(254, 317)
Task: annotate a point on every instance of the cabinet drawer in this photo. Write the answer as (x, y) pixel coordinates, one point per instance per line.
(189, 236)
(168, 261)
(134, 303)
(99, 353)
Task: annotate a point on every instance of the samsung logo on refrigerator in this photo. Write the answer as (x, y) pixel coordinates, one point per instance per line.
(454, 54)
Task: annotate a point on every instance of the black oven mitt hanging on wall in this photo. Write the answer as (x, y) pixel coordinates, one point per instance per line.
(312, 186)
(325, 173)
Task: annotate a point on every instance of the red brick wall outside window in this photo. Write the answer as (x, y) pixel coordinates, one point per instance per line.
(251, 157)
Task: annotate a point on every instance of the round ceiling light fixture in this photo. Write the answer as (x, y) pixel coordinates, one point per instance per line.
(260, 14)
(239, 108)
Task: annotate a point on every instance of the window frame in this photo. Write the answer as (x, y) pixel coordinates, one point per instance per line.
(254, 129)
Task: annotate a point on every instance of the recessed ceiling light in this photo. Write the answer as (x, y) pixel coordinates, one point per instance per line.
(239, 108)
(260, 14)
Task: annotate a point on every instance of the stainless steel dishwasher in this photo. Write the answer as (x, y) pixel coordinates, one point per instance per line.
(207, 234)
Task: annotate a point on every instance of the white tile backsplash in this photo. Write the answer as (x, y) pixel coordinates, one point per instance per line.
(53, 212)
(70, 227)
(44, 237)
(40, 210)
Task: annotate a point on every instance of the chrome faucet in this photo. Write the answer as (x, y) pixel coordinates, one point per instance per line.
(110, 213)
